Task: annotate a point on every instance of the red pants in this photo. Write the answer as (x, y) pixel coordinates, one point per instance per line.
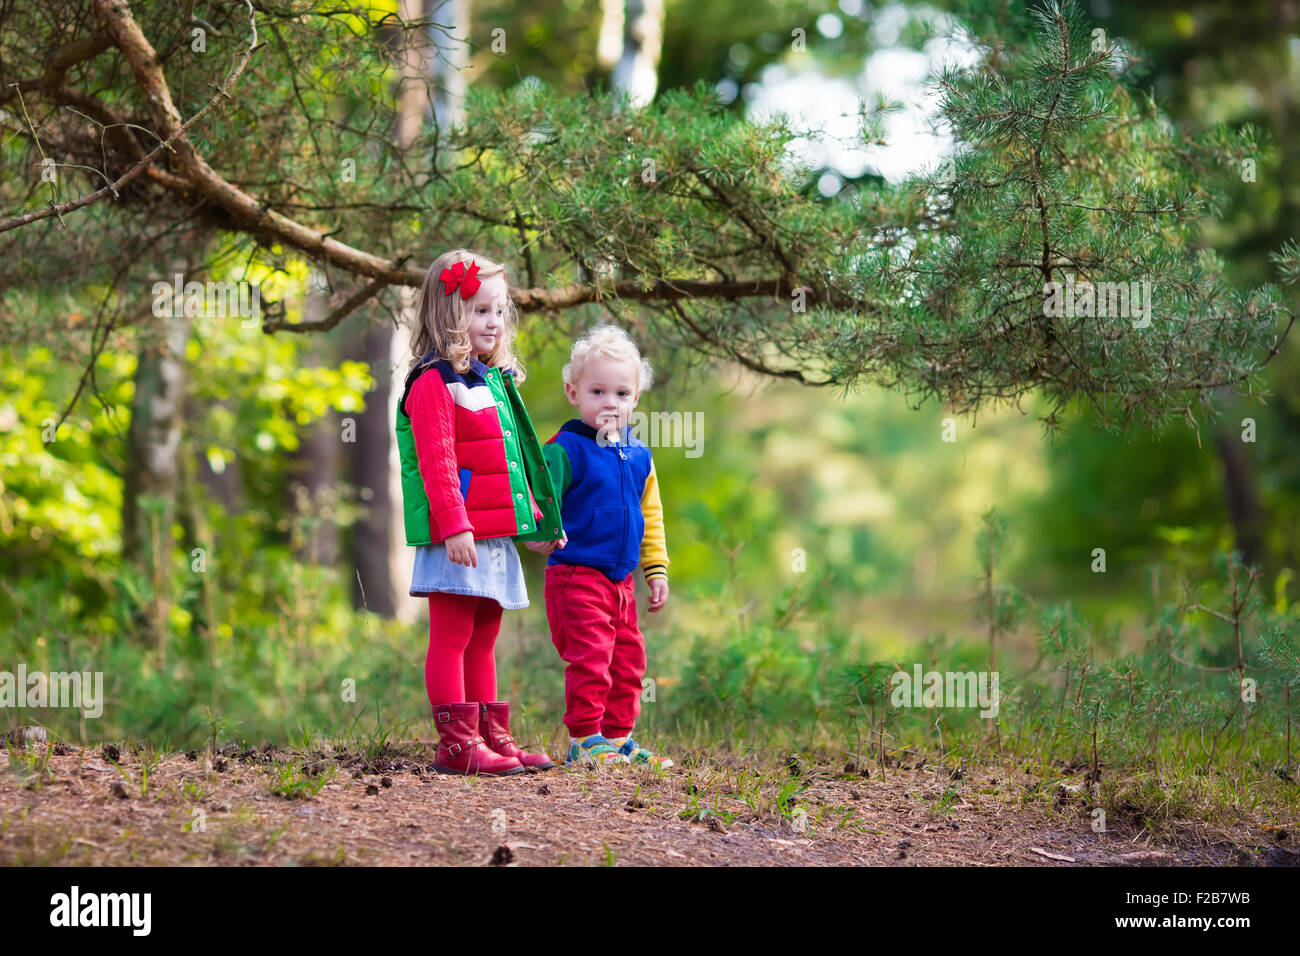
(593, 626)
(461, 665)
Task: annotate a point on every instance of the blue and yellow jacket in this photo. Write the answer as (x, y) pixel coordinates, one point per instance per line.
(609, 502)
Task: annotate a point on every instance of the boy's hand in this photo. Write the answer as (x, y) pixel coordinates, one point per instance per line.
(658, 594)
(460, 549)
(547, 547)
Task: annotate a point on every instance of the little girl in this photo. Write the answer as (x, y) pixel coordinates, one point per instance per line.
(473, 478)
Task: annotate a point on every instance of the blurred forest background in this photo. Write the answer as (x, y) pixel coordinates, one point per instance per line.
(304, 576)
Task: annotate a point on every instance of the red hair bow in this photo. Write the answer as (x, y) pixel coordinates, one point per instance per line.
(457, 275)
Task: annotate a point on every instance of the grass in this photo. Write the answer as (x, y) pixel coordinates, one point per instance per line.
(292, 780)
(32, 764)
(948, 801)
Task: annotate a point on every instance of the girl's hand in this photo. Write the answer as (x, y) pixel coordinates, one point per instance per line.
(460, 548)
(547, 547)
(658, 594)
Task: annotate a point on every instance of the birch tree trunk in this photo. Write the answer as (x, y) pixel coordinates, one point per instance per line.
(152, 476)
(383, 561)
(631, 41)
(445, 66)
(630, 44)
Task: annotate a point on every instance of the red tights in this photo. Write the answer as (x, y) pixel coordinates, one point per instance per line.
(461, 665)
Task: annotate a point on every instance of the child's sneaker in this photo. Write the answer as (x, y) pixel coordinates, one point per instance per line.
(637, 754)
(594, 750)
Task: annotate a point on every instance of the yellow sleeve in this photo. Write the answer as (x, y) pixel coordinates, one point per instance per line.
(654, 550)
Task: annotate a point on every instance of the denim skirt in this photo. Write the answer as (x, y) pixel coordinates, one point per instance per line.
(499, 574)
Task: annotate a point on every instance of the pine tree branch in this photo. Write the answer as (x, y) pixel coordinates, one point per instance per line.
(353, 302)
(51, 84)
(114, 188)
(57, 65)
(116, 17)
(253, 216)
(729, 350)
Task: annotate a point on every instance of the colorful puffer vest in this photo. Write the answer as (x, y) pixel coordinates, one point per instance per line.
(479, 466)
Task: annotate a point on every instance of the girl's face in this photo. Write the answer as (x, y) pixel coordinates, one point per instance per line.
(487, 316)
(606, 393)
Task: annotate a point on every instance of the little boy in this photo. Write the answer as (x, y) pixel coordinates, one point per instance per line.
(612, 522)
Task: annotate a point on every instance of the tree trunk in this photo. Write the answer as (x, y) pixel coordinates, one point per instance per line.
(152, 461)
(631, 41)
(374, 536)
(382, 560)
(1242, 496)
(630, 44)
(313, 475)
(368, 470)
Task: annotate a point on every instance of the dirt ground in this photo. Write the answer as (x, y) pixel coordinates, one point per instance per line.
(97, 807)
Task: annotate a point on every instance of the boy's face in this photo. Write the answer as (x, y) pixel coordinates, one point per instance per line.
(606, 393)
(487, 315)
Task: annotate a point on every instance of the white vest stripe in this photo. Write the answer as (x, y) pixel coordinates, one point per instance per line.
(474, 399)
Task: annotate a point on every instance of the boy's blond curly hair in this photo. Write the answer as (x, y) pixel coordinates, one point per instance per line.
(442, 321)
(606, 341)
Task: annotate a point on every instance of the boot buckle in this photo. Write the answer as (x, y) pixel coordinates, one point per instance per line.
(443, 716)
(454, 749)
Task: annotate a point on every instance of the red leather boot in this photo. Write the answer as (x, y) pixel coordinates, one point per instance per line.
(494, 725)
(462, 750)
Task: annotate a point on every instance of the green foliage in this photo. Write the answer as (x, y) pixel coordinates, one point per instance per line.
(1061, 172)
(61, 499)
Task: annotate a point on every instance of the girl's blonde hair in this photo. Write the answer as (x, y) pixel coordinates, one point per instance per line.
(442, 321)
(606, 341)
